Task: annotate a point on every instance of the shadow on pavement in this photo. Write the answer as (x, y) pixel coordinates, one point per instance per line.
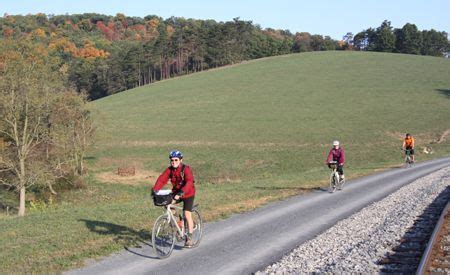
(139, 252)
(314, 189)
(124, 235)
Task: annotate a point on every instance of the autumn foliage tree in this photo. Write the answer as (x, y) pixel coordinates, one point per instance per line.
(32, 89)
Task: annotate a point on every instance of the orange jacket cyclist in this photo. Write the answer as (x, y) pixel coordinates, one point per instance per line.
(408, 144)
(183, 189)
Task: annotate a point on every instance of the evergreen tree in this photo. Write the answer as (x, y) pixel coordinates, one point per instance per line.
(408, 39)
(385, 38)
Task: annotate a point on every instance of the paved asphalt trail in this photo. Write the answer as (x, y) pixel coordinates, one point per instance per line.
(246, 243)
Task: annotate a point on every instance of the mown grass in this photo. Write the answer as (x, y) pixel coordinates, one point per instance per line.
(253, 133)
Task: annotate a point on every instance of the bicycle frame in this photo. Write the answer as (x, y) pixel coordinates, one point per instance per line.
(173, 220)
(408, 158)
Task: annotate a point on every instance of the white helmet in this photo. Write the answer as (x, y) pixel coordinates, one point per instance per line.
(336, 143)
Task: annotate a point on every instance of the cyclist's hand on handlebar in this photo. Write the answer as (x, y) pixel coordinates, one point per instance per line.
(178, 195)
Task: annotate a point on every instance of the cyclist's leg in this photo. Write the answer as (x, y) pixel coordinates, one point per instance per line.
(340, 170)
(412, 154)
(188, 204)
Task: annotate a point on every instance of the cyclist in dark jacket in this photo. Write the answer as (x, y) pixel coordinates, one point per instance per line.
(183, 189)
(337, 153)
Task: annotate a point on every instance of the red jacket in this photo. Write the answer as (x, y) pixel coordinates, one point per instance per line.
(188, 188)
(336, 155)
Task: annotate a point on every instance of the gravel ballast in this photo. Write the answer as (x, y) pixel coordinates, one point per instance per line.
(357, 243)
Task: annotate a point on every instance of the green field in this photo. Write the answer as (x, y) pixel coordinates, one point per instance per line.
(253, 133)
(275, 118)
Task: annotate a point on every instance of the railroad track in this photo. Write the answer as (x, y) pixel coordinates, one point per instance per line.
(437, 255)
(406, 257)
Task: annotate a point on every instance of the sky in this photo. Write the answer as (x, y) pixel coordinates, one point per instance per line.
(325, 17)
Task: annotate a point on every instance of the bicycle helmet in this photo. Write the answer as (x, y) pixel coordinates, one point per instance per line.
(175, 154)
(336, 143)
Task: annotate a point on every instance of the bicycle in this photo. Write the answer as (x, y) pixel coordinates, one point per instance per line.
(408, 158)
(171, 226)
(335, 181)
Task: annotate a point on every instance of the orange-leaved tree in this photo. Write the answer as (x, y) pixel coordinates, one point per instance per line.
(31, 85)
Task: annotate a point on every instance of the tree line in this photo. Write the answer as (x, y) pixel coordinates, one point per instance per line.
(108, 54)
(408, 39)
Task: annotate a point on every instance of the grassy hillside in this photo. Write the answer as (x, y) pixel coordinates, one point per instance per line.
(276, 117)
(253, 133)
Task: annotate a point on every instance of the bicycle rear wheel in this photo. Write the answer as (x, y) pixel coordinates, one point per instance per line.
(197, 234)
(163, 237)
(334, 179)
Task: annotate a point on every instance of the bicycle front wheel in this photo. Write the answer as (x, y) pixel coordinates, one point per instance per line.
(408, 161)
(341, 184)
(163, 237)
(197, 234)
(334, 179)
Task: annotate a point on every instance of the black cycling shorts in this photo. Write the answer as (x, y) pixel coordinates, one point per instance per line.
(188, 203)
(411, 150)
(340, 169)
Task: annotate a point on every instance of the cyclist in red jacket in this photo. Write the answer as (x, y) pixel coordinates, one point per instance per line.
(183, 189)
(337, 153)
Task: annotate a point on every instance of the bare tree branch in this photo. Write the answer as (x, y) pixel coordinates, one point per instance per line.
(3, 182)
(7, 134)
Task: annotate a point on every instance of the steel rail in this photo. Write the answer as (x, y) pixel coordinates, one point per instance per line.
(425, 261)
